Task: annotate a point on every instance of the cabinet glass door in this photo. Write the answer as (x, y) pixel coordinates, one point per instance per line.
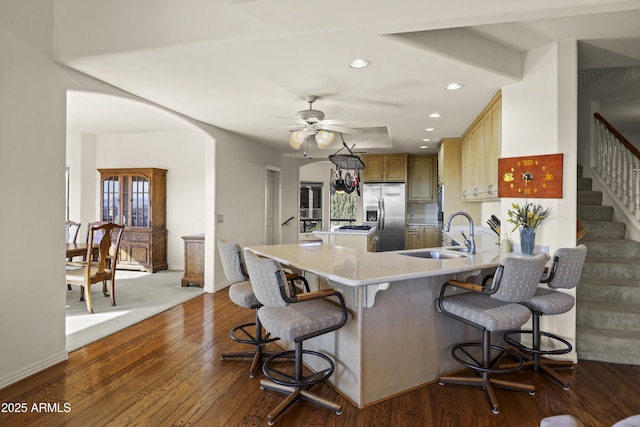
(111, 200)
(125, 200)
(139, 201)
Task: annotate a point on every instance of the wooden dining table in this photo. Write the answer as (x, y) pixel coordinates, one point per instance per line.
(76, 249)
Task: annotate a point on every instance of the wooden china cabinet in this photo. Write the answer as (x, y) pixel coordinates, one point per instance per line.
(136, 197)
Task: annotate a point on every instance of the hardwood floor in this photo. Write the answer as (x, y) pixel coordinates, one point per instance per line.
(166, 371)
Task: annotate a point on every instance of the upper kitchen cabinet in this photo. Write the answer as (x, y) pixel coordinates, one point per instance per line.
(422, 178)
(451, 177)
(384, 168)
(136, 198)
(481, 146)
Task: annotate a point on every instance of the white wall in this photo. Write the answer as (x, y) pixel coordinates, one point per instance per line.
(540, 117)
(33, 93)
(240, 173)
(32, 164)
(182, 153)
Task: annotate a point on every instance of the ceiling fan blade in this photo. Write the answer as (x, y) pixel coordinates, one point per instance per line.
(341, 129)
(291, 119)
(342, 121)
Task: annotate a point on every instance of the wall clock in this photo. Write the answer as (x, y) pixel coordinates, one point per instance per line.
(531, 176)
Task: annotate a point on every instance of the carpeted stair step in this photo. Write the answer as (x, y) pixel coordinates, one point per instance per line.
(607, 268)
(595, 213)
(589, 197)
(585, 184)
(607, 290)
(608, 346)
(608, 315)
(613, 248)
(604, 229)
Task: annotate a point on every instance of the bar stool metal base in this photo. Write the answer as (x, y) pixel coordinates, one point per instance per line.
(296, 385)
(534, 352)
(486, 366)
(251, 334)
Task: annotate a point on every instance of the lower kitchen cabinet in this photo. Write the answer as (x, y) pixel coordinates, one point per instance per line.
(422, 236)
(359, 241)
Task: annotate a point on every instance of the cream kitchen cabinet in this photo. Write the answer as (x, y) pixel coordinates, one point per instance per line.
(481, 148)
(356, 240)
(450, 177)
(421, 182)
(384, 168)
(422, 236)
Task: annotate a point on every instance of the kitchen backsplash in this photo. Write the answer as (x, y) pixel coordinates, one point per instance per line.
(422, 212)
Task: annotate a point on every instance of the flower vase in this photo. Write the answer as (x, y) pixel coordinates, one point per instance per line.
(527, 240)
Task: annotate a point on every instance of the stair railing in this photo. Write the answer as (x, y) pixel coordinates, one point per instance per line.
(618, 163)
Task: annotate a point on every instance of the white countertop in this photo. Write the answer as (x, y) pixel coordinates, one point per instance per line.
(358, 268)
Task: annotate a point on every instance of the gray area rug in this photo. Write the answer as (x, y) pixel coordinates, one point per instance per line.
(139, 295)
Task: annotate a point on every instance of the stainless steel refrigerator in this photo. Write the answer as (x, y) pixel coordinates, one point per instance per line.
(384, 205)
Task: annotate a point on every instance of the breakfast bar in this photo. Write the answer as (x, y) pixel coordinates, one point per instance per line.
(395, 340)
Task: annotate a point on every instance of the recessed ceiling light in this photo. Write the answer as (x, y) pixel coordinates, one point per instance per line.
(424, 146)
(430, 129)
(359, 63)
(435, 115)
(454, 86)
(426, 139)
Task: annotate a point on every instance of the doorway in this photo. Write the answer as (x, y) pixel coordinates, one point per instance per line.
(272, 205)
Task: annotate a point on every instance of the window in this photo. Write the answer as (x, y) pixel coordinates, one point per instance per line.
(343, 209)
(310, 206)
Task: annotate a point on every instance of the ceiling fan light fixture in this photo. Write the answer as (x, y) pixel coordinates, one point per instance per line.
(296, 138)
(325, 138)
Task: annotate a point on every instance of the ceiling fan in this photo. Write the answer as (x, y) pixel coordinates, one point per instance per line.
(311, 123)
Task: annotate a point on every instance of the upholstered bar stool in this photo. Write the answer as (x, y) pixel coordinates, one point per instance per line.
(492, 307)
(565, 273)
(241, 293)
(294, 318)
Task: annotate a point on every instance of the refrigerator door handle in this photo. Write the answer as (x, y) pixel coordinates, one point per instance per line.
(382, 214)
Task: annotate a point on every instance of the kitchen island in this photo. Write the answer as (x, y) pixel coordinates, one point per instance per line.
(396, 340)
(363, 239)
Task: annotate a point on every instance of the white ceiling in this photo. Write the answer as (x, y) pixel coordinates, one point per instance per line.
(236, 64)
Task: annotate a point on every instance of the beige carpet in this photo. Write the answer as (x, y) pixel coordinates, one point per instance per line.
(139, 295)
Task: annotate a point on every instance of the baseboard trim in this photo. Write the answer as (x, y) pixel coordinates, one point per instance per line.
(33, 369)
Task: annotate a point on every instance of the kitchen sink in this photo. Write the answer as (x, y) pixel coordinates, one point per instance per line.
(458, 249)
(435, 254)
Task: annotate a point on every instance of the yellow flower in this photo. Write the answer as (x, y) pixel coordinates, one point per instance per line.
(529, 215)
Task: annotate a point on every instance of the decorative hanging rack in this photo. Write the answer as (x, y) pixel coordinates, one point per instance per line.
(346, 161)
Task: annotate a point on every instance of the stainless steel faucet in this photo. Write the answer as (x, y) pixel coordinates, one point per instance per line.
(470, 241)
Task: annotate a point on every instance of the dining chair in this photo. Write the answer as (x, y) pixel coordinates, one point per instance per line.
(97, 237)
(104, 268)
(492, 306)
(72, 229)
(71, 234)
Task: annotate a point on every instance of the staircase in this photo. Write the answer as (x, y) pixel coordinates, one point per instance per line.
(608, 296)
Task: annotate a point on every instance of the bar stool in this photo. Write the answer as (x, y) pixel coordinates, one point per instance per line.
(565, 273)
(491, 308)
(294, 318)
(241, 293)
